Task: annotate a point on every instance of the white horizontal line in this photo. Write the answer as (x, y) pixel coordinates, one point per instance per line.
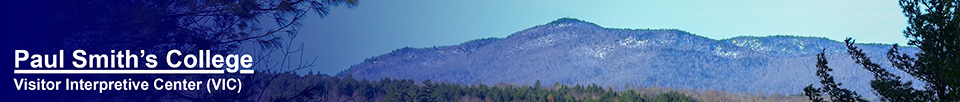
(126, 71)
(246, 71)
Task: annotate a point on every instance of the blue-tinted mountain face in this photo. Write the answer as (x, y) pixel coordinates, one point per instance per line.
(571, 51)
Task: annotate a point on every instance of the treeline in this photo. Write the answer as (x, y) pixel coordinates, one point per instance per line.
(271, 87)
(290, 87)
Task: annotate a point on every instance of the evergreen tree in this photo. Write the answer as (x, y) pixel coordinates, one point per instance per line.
(829, 86)
(934, 28)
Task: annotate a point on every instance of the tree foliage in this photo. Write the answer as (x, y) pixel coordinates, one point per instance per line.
(340, 89)
(220, 25)
(829, 86)
(934, 28)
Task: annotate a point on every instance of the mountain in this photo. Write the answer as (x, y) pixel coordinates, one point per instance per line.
(571, 51)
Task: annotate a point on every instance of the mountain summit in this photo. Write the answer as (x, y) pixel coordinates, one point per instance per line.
(572, 51)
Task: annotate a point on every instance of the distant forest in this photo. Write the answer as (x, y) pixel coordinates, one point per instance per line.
(290, 87)
(317, 87)
(326, 88)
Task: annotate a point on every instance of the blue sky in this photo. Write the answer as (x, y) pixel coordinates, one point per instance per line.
(375, 27)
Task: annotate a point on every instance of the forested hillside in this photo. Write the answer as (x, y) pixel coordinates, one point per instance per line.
(572, 51)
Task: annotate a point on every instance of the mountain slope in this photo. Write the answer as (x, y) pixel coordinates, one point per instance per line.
(571, 51)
